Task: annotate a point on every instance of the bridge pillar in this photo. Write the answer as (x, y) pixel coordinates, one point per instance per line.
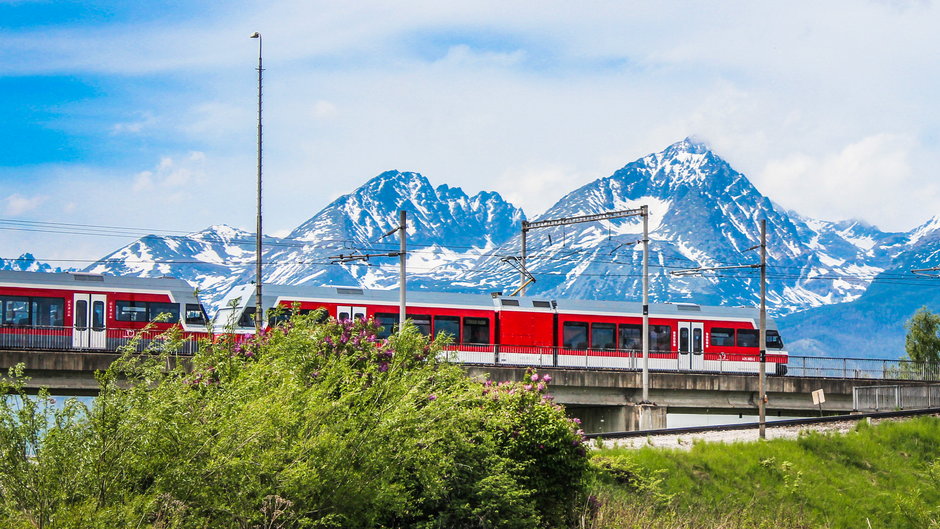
(649, 416)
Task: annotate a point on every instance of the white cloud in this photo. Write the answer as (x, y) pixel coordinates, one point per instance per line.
(17, 204)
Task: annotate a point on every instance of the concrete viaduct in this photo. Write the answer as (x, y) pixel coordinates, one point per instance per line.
(605, 400)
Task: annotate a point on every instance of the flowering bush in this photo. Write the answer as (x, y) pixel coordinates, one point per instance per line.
(314, 424)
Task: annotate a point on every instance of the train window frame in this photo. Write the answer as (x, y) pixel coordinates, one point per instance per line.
(635, 341)
(604, 327)
(247, 318)
(388, 323)
(721, 337)
(14, 317)
(472, 328)
(97, 315)
(47, 311)
(422, 322)
(751, 342)
(576, 328)
(774, 340)
(697, 340)
(660, 337)
(156, 308)
(195, 308)
(447, 320)
(125, 307)
(683, 339)
(81, 315)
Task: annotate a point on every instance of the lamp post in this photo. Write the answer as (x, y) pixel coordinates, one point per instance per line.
(258, 305)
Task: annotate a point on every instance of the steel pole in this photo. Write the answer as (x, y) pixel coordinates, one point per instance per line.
(646, 304)
(762, 405)
(258, 305)
(402, 229)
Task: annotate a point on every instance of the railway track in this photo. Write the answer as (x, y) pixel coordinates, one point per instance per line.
(684, 438)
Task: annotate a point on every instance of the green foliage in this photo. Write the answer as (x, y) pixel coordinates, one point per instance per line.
(311, 425)
(879, 476)
(923, 337)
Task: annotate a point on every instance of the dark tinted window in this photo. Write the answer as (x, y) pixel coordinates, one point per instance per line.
(422, 322)
(97, 315)
(247, 319)
(684, 339)
(476, 330)
(81, 315)
(15, 310)
(660, 338)
(195, 314)
(130, 311)
(575, 335)
(447, 325)
(173, 309)
(48, 311)
(631, 337)
(748, 337)
(603, 336)
(388, 322)
(774, 341)
(721, 337)
(696, 340)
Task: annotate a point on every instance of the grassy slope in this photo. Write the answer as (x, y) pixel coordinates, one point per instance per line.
(885, 476)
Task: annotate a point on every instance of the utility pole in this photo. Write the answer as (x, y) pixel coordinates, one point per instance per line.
(258, 305)
(402, 254)
(762, 319)
(644, 211)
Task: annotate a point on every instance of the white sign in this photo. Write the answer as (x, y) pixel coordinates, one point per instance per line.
(819, 397)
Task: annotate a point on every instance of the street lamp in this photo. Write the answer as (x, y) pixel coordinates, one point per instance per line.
(257, 35)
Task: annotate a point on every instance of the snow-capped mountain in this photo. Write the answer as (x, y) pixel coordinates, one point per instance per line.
(26, 263)
(703, 213)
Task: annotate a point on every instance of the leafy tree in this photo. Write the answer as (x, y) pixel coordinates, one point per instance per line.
(309, 425)
(923, 337)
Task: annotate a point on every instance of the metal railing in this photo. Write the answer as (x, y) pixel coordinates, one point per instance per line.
(50, 338)
(862, 368)
(881, 398)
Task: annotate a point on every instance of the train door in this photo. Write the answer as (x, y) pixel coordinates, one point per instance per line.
(345, 312)
(88, 321)
(691, 338)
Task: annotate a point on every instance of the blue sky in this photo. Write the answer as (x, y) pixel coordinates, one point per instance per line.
(142, 114)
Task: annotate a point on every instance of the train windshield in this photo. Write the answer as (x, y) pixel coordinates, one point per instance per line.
(774, 341)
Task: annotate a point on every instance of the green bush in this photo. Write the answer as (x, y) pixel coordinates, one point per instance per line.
(311, 425)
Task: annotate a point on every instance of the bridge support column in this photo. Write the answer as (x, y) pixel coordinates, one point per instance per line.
(647, 417)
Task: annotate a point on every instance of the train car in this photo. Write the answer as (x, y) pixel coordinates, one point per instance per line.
(81, 311)
(537, 331)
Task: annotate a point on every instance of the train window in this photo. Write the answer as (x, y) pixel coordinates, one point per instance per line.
(131, 311)
(81, 314)
(447, 325)
(476, 331)
(281, 315)
(156, 309)
(247, 318)
(684, 339)
(421, 321)
(631, 337)
(388, 322)
(748, 337)
(696, 340)
(660, 338)
(195, 314)
(575, 335)
(15, 310)
(48, 312)
(774, 341)
(97, 316)
(721, 337)
(603, 336)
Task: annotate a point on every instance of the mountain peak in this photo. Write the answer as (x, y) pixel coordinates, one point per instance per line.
(690, 145)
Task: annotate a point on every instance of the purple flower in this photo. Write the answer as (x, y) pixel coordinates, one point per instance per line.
(328, 341)
(547, 379)
(541, 386)
(432, 396)
(527, 387)
(488, 383)
(534, 378)
(383, 367)
(576, 420)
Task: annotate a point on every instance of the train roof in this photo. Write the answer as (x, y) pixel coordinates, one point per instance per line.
(97, 282)
(354, 295)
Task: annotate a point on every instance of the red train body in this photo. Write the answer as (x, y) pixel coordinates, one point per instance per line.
(535, 331)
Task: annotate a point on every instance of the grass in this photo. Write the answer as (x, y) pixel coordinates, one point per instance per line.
(875, 476)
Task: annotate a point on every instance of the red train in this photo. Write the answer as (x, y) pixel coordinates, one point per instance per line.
(539, 331)
(93, 311)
